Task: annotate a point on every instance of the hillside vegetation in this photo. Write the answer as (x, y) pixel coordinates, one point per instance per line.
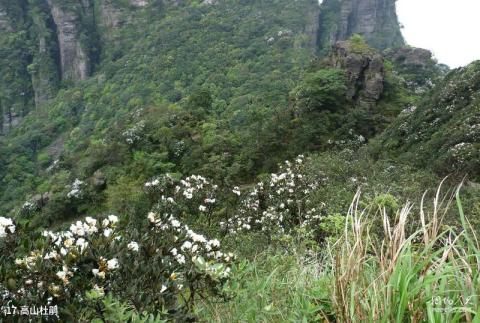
(197, 161)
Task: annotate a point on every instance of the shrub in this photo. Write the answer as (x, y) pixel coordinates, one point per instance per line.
(163, 262)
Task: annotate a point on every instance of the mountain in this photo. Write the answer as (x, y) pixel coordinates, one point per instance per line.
(61, 43)
(375, 20)
(123, 91)
(196, 160)
(219, 72)
(442, 132)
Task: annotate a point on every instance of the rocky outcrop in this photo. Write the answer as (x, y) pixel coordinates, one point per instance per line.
(375, 20)
(44, 69)
(74, 60)
(411, 56)
(113, 15)
(364, 69)
(67, 37)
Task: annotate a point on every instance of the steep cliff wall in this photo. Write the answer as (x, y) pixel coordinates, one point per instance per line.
(47, 41)
(375, 20)
(45, 66)
(74, 59)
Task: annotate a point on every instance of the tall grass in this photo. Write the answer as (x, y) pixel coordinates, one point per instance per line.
(272, 287)
(431, 275)
(409, 267)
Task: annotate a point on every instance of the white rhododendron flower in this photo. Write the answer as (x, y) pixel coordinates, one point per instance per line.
(112, 264)
(113, 219)
(67, 254)
(6, 227)
(64, 274)
(133, 246)
(277, 202)
(153, 183)
(107, 232)
(164, 288)
(186, 245)
(236, 190)
(151, 217)
(98, 273)
(76, 189)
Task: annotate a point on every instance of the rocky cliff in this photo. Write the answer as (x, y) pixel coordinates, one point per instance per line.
(375, 20)
(48, 41)
(74, 60)
(64, 33)
(364, 69)
(418, 67)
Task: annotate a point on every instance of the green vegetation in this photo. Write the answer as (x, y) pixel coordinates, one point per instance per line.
(230, 148)
(443, 132)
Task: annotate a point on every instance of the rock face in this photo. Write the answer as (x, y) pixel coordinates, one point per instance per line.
(67, 42)
(365, 72)
(311, 28)
(43, 84)
(375, 20)
(411, 56)
(114, 15)
(44, 69)
(111, 15)
(74, 60)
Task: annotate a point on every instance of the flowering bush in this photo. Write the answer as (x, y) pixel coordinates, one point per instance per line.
(76, 189)
(134, 134)
(278, 204)
(153, 263)
(159, 262)
(192, 199)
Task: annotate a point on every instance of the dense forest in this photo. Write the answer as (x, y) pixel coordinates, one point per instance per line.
(234, 160)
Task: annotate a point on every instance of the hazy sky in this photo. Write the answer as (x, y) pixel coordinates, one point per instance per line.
(449, 28)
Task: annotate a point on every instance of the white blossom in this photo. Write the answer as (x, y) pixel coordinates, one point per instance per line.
(112, 264)
(133, 246)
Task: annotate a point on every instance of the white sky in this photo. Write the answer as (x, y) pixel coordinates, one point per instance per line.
(449, 28)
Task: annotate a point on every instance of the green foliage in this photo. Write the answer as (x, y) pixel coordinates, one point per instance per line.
(359, 45)
(442, 133)
(185, 106)
(331, 227)
(112, 310)
(273, 287)
(387, 203)
(161, 257)
(321, 90)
